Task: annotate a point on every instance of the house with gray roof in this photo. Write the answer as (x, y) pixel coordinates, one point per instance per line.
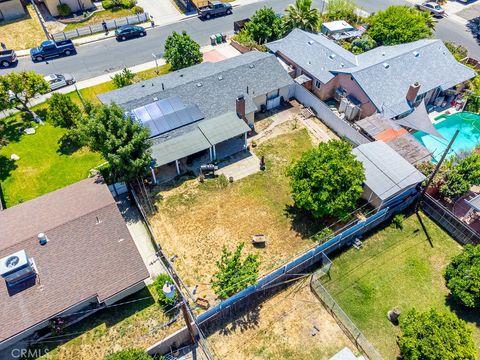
(206, 110)
(387, 173)
(390, 80)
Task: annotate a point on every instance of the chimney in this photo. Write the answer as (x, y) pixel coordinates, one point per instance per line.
(240, 105)
(412, 92)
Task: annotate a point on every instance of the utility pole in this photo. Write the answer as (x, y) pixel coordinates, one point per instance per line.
(439, 164)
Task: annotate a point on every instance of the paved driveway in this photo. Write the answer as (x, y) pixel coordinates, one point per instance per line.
(160, 10)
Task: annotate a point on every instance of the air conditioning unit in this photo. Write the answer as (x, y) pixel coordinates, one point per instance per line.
(16, 268)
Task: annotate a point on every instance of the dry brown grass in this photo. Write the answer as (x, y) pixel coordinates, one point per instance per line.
(23, 33)
(195, 220)
(281, 328)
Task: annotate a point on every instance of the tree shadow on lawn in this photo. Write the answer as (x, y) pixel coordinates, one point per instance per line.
(6, 167)
(470, 315)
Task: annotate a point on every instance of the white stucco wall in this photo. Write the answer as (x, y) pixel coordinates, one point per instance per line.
(75, 5)
(11, 10)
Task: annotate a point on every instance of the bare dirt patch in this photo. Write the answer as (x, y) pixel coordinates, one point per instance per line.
(282, 328)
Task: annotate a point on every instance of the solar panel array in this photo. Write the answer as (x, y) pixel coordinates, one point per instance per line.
(167, 114)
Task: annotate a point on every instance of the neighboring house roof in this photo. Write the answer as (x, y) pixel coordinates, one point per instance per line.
(384, 73)
(314, 53)
(90, 253)
(386, 172)
(213, 87)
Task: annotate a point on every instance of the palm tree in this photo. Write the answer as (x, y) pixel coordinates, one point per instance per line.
(303, 16)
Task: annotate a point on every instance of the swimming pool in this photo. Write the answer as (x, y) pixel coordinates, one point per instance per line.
(468, 137)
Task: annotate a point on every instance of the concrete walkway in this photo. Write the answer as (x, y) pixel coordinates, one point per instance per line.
(240, 165)
(141, 237)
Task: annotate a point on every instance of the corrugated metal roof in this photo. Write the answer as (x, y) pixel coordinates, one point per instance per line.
(223, 127)
(386, 171)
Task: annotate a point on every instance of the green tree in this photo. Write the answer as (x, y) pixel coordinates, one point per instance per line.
(433, 335)
(362, 44)
(62, 111)
(158, 285)
(463, 276)
(265, 26)
(469, 168)
(302, 16)
(129, 354)
(18, 88)
(455, 184)
(399, 24)
(121, 141)
(181, 51)
(341, 10)
(460, 52)
(123, 78)
(327, 181)
(234, 274)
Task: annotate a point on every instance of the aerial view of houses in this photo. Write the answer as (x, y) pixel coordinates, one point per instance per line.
(240, 179)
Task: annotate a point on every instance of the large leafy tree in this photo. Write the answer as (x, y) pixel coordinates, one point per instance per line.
(433, 335)
(265, 26)
(129, 354)
(327, 181)
(234, 274)
(469, 167)
(62, 111)
(181, 51)
(303, 16)
(121, 141)
(341, 10)
(400, 24)
(463, 276)
(18, 88)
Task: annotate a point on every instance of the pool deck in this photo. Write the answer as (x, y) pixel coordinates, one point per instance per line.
(434, 115)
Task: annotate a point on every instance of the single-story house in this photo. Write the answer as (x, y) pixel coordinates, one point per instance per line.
(11, 10)
(390, 80)
(387, 173)
(205, 110)
(75, 5)
(63, 253)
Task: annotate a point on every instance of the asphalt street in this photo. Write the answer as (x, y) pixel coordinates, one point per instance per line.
(108, 55)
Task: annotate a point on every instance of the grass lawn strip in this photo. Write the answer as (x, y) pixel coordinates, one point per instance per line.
(100, 16)
(22, 33)
(395, 268)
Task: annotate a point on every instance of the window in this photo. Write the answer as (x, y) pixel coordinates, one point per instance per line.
(272, 94)
(318, 84)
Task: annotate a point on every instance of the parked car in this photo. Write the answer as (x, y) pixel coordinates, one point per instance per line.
(7, 58)
(129, 32)
(432, 7)
(50, 48)
(214, 8)
(57, 81)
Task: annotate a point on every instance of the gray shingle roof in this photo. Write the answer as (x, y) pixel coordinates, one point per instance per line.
(223, 127)
(213, 87)
(315, 53)
(386, 171)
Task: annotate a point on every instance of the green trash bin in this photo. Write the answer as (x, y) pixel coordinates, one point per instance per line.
(219, 38)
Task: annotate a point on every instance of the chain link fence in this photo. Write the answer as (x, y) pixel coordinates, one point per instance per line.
(347, 325)
(448, 221)
(98, 28)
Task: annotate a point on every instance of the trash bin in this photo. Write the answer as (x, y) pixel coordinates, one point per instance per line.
(224, 37)
(219, 38)
(213, 39)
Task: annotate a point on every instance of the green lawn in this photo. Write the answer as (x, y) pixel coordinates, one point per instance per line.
(395, 268)
(42, 167)
(100, 16)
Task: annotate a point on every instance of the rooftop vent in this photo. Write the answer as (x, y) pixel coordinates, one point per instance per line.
(220, 77)
(42, 238)
(309, 62)
(342, 65)
(332, 56)
(199, 84)
(16, 268)
(383, 53)
(416, 54)
(310, 42)
(155, 99)
(386, 65)
(251, 66)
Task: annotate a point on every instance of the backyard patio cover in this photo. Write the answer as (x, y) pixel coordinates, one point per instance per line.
(418, 119)
(474, 203)
(197, 137)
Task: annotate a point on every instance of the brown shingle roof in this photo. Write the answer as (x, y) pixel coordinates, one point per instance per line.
(83, 259)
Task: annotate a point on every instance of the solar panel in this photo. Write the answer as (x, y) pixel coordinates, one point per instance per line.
(195, 113)
(176, 103)
(165, 106)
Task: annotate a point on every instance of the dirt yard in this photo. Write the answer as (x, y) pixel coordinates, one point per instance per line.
(291, 325)
(194, 221)
(22, 33)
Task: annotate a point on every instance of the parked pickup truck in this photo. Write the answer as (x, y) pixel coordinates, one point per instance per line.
(50, 48)
(7, 58)
(214, 8)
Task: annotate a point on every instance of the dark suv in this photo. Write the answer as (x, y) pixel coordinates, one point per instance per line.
(129, 32)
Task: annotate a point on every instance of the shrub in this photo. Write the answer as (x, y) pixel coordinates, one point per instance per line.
(128, 4)
(243, 38)
(158, 285)
(341, 10)
(324, 235)
(108, 4)
(123, 78)
(455, 185)
(362, 44)
(137, 9)
(62, 111)
(463, 276)
(64, 10)
(397, 221)
(129, 354)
